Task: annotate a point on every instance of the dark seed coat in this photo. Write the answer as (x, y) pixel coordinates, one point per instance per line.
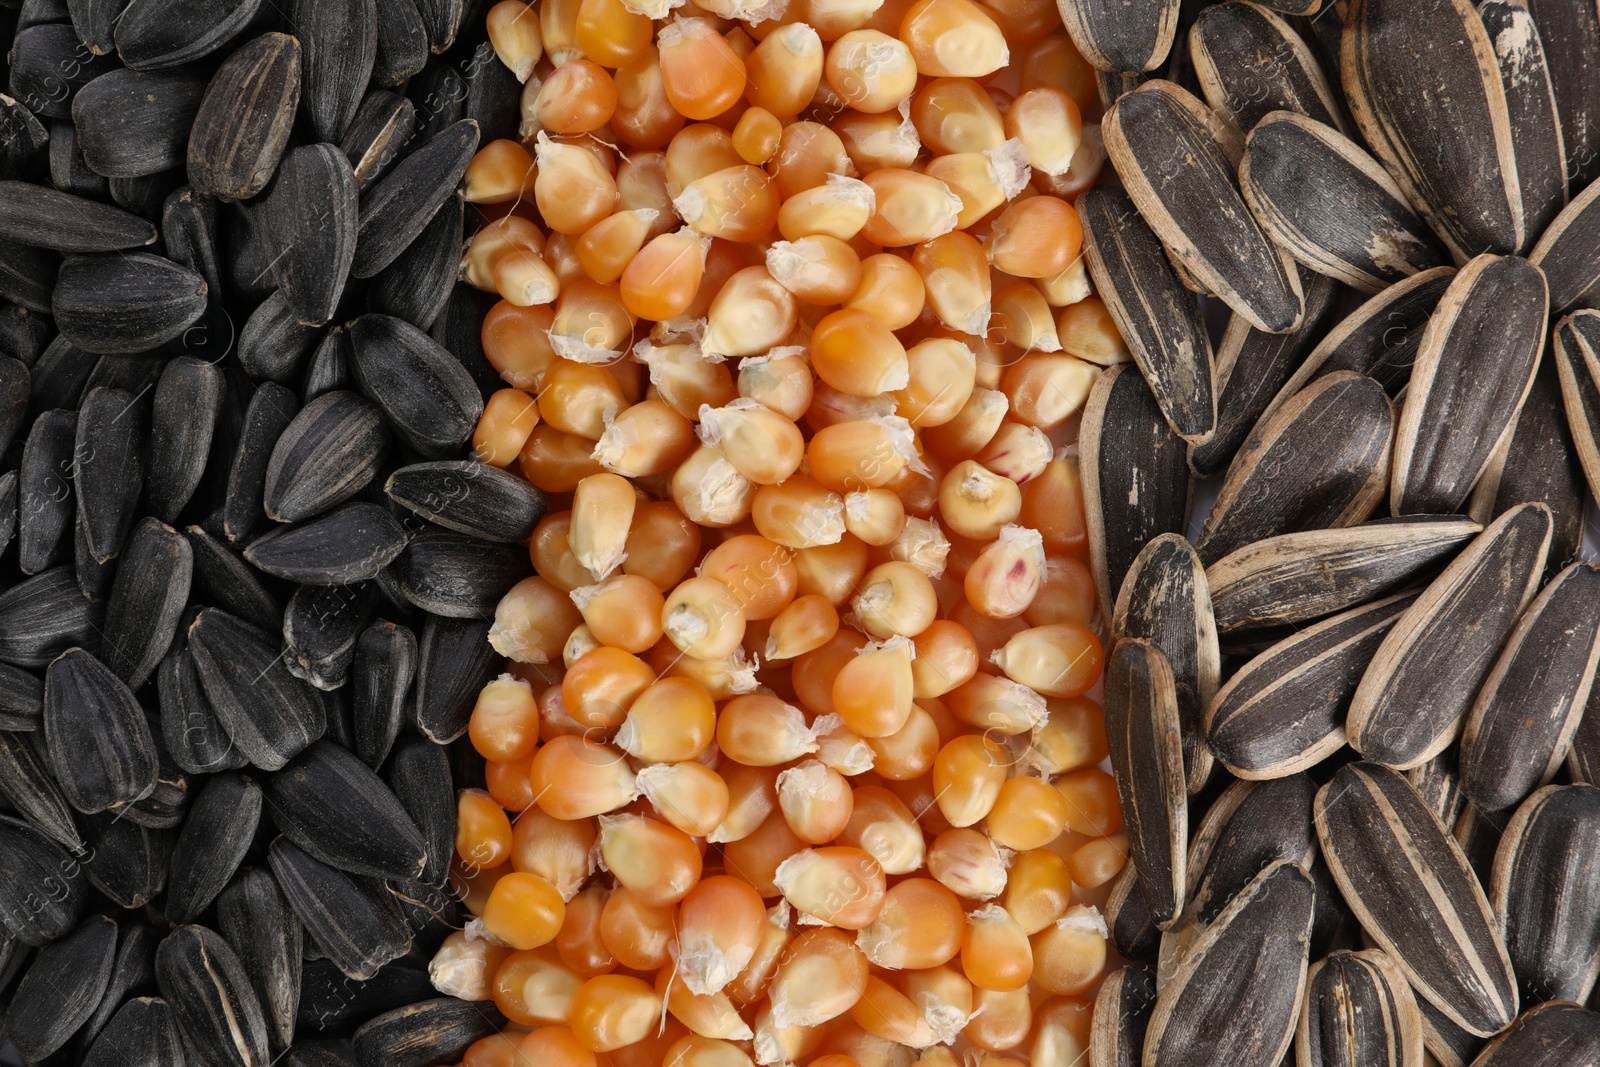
(95, 733)
(216, 1009)
(1359, 1012)
(351, 919)
(269, 714)
(61, 989)
(127, 303)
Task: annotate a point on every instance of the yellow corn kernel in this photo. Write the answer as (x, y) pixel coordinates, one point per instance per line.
(956, 115)
(1050, 127)
(799, 514)
(954, 268)
(573, 190)
(1098, 862)
(648, 438)
(820, 978)
(610, 1011)
(967, 775)
(759, 730)
(598, 689)
(738, 203)
(1070, 954)
(610, 34)
(720, 927)
(1028, 814)
(657, 862)
(1065, 289)
(578, 97)
(534, 988)
(997, 704)
(697, 1051)
(1007, 574)
(838, 208)
(508, 418)
(983, 181)
(885, 1012)
(1046, 390)
(1018, 452)
(710, 491)
(941, 375)
(672, 720)
(750, 315)
(500, 172)
(872, 692)
(806, 623)
(1061, 1030)
(815, 800)
(515, 37)
(971, 429)
(871, 71)
(1023, 318)
(784, 70)
(842, 886)
(876, 516)
(1000, 1020)
(703, 618)
(524, 911)
(1060, 660)
(757, 134)
(945, 997)
(912, 209)
(759, 443)
(908, 752)
(602, 510)
(891, 291)
(953, 39)
(689, 795)
(817, 268)
(1038, 889)
(921, 925)
(1088, 333)
(557, 850)
(574, 778)
(856, 354)
(532, 621)
(684, 377)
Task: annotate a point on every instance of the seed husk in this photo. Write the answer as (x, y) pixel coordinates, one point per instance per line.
(24, 334)
(351, 919)
(1296, 578)
(1446, 1042)
(1544, 889)
(127, 303)
(272, 409)
(1548, 1035)
(399, 206)
(383, 124)
(1128, 919)
(1252, 366)
(96, 737)
(1157, 316)
(329, 366)
(493, 91)
(311, 210)
(39, 215)
(1250, 61)
(269, 714)
(1284, 711)
(133, 971)
(1122, 37)
(108, 470)
(245, 119)
(443, 20)
(61, 989)
(9, 507)
(225, 580)
(330, 1001)
(194, 735)
(352, 543)
(26, 781)
(320, 627)
(44, 891)
(440, 95)
(340, 42)
(147, 599)
(1536, 140)
(1419, 686)
(427, 394)
(141, 1034)
(1181, 175)
(1135, 477)
(385, 664)
(127, 862)
(45, 489)
(49, 66)
(454, 661)
(274, 343)
(416, 286)
(1577, 356)
(402, 48)
(1236, 994)
(183, 420)
(1249, 827)
(27, 142)
(189, 231)
(417, 1034)
(1460, 408)
(1320, 461)
(1164, 600)
(1365, 234)
(258, 922)
(1568, 253)
(1410, 885)
(448, 573)
(335, 808)
(21, 699)
(146, 194)
(25, 275)
(419, 773)
(217, 1012)
(1122, 1011)
(326, 455)
(1359, 1012)
(1424, 88)
(167, 805)
(470, 498)
(44, 616)
(154, 34)
(460, 330)
(68, 172)
(215, 837)
(133, 123)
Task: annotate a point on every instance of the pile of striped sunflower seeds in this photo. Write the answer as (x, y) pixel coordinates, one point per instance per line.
(250, 567)
(1404, 851)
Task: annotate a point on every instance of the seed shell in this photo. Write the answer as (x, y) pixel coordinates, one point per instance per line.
(1419, 686)
(470, 498)
(440, 96)
(1359, 1012)
(142, 1033)
(329, 366)
(399, 206)
(416, 286)
(415, 1035)
(127, 303)
(450, 574)
(1284, 711)
(330, 1001)
(335, 808)
(1320, 461)
(454, 661)
(326, 455)
(385, 664)
(1296, 578)
(352, 543)
(1236, 994)
(383, 125)
(61, 989)
(311, 208)
(27, 782)
(1577, 356)
(41, 216)
(24, 334)
(428, 396)
(402, 48)
(189, 231)
(154, 34)
(42, 888)
(216, 1010)
(216, 835)
(1128, 918)
(49, 66)
(1122, 36)
(27, 141)
(133, 971)
(1249, 827)
(95, 733)
(133, 123)
(1548, 1035)
(341, 42)
(1250, 61)
(1460, 408)
(183, 420)
(272, 409)
(147, 598)
(68, 172)
(350, 919)
(126, 862)
(258, 922)
(1545, 888)
(274, 343)
(1536, 140)
(245, 119)
(108, 468)
(1181, 177)
(1122, 1010)
(269, 714)
(1410, 885)
(223, 579)
(25, 275)
(1424, 88)
(320, 627)
(45, 489)
(193, 733)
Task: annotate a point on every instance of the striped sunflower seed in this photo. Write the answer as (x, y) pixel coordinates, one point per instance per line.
(311, 210)
(428, 396)
(1571, 35)
(1521, 724)
(108, 468)
(96, 736)
(1438, 783)
(127, 303)
(1541, 160)
(183, 420)
(384, 666)
(1296, 578)
(1446, 1042)
(1167, 149)
(1550, 1035)
(1236, 995)
(215, 837)
(61, 989)
(143, 1033)
(470, 498)
(1545, 888)
(147, 599)
(329, 366)
(268, 714)
(1458, 411)
(1320, 461)
(1135, 478)
(1440, 124)
(340, 42)
(1374, 238)
(1250, 61)
(1359, 1012)
(1164, 600)
(402, 48)
(327, 454)
(43, 891)
(454, 661)
(42, 617)
(1420, 684)
(1145, 738)
(274, 343)
(351, 919)
(416, 286)
(39, 215)
(133, 123)
(384, 123)
(1249, 827)
(133, 971)
(450, 574)
(127, 862)
(222, 578)
(1577, 352)
(216, 1010)
(256, 919)
(320, 627)
(1568, 253)
(1128, 918)
(245, 119)
(351, 543)
(272, 410)
(415, 1035)
(1116, 37)
(397, 208)
(419, 773)
(27, 782)
(155, 34)
(1410, 885)
(1583, 762)
(1122, 1011)
(1155, 314)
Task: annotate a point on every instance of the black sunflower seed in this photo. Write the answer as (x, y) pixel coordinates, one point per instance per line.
(352, 543)
(448, 573)
(1446, 1042)
(27, 782)
(1128, 919)
(1571, 36)
(145, 195)
(194, 735)
(1419, 686)
(311, 210)
(39, 215)
(189, 231)
(133, 123)
(222, 578)
(419, 773)
(43, 617)
(42, 888)
(1359, 1012)
(1250, 61)
(470, 498)
(258, 922)
(21, 699)
(493, 93)
(217, 834)
(147, 598)
(27, 141)
(216, 1010)
(1536, 142)
(153, 34)
(96, 736)
(341, 43)
(49, 66)
(374, 142)
(45, 489)
(1577, 356)
(27, 275)
(167, 805)
(402, 48)
(68, 172)
(418, 1033)
(454, 661)
(1410, 885)
(183, 419)
(127, 862)
(384, 666)
(61, 989)
(329, 366)
(133, 972)
(24, 334)
(59, 375)
(331, 1001)
(416, 286)
(1549, 1035)
(108, 473)
(326, 455)
(351, 919)
(271, 410)
(399, 206)
(244, 122)
(268, 713)
(1122, 1011)
(320, 627)
(127, 303)
(440, 96)
(1117, 37)
(274, 343)
(427, 395)
(339, 811)
(143, 1033)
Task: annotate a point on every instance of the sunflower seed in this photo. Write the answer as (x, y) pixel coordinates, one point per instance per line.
(1249, 827)
(416, 286)
(272, 409)
(273, 343)
(1410, 885)
(1447, 1043)
(21, 700)
(1544, 890)
(223, 579)
(154, 34)
(385, 664)
(1541, 162)
(311, 208)
(1296, 578)
(38, 215)
(329, 366)
(427, 395)
(216, 1010)
(1577, 355)
(1122, 37)
(58, 377)
(26, 275)
(402, 48)
(1570, 31)
(26, 781)
(96, 737)
(471, 498)
(1419, 686)
(330, 1001)
(268, 713)
(134, 123)
(245, 119)
(1122, 1010)
(149, 595)
(26, 141)
(44, 616)
(44, 887)
(249, 261)
(184, 412)
(332, 806)
(493, 93)
(167, 805)
(352, 543)
(45, 489)
(258, 922)
(1359, 1012)
(327, 454)
(141, 1034)
(320, 627)
(108, 468)
(383, 124)
(1549, 1035)
(213, 843)
(1128, 919)
(460, 330)
(61, 989)
(133, 972)
(127, 862)
(398, 208)
(1250, 61)
(24, 334)
(447, 573)
(1164, 145)
(125, 303)
(351, 919)
(419, 774)
(454, 661)
(49, 66)
(417, 1034)
(341, 43)
(440, 96)
(189, 230)
(1458, 409)
(68, 172)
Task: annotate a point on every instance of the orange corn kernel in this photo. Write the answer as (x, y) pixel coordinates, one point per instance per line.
(532, 621)
(995, 953)
(890, 290)
(662, 543)
(576, 398)
(704, 76)
(799, 514)
(1070, 954)
(861, 453)
(573, 189)
(683, 377)
(756, 136)
(1088, 333)
(885, 1012)
(956, 115)
(509, 784)
(483, 832)
(500, 172)
(872, 692)
(871, 71)
(909, 751)
(921, 925)
(1000, 1019)
(648, 438)
(645, 117)
(600, 687)
(1023, 318)
(940, 379)
(557, 850)
(759, 730)
(636, 934)
(578, 97)
(710, 1015)
(550, 548)
(856, 354)
(1073, 737)
(967, 775)
(508, 418)
(805, 624)
(1038, 889)
(514, 34)
(1067, 595)
(983, 182)
(820, 978)
(1091, 796)
(671, 720)
(815, 800)
(912, 209)
(977, 503)
(953, 39)
(838, 207)
(885, 139)
(607, 247)
(534, 988)
(818, 269)
(971, 429)
(658, 862)
(997, 704)
(613, 1010)
(516, 345)
(695, 151)
(689, 795)
(505, 720)
(882, 826)
(784, 70)
(947, 657)
(737, 203)
(1050, 127)
(1027, 814)
(703, 618)
(1061, 660)
(720, 927)
(1036, 237)
(623, 612)
(697, 1051)
(1047, 389)
(524, 911)
(762, 445)
(954, 270)
(967, 863)
(750, 315)
(876, 516)
(710, 491)
(842, 886)
(758, 855)
(557, 1047)
(1052, 503)
(575, 778)
(1096, 863)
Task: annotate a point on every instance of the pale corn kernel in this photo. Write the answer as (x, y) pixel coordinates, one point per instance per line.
(1038, 889)
(689, 795)
(1035, 237)
(762, 445)
(799, 514)
(673, 720)
(856, 354)
(881, 825)
(1007, 574)
(592, 326)
(941, 375)
(1088, 332)
(977, 503)
(759, 730)
(558, 850)
(1073, 737)
(945, 997)
(635, 934)
(885, 1012)
(780, 380)
(830, 406)
(574, 778)
(1047, 122)
(1023, 318)
(573, 190)
(817, 268)
(1061, 1030)
(872, 692)
(505, 719)
(523, 278)
(995, 953)
(885, 139)
(876, 516)
(578, 97)
(967, 776)
(710, 490)
(921, 925)
(697, 1051)
(532, 621)
(891, 291)
(751, 982)
(841, 748)
(947, 657)
(558, 23)
(704, 76)
(723, 678)
(602, 510)
(1098, 862)
(534, 988)
(815, 800)
(645, 439)
(955, 273)
(1046, 390)
(896, 599)
(686, 377)
(808, 622)
(912, 209)
(922, 544)
(776, 1046)
(721, 925)
(983, 181)
(842, 886)
(862, 453)
(1018, 452)
(834, 18)
(1061, 660)
(657, 862)
(465, 966)
(997, 705)
(1065, 289)
(956, 115)
(610, 1011)
(494, 240)
(514, 34)
(784, 70)
(1028, 814)
(953, 39)
(501, 171)
(838, 208)
(1087, 162)
(908, 752)
(738, 203)
(703, 618)
(1070, 954)
(871, 71)
(599, 687)
(751, 314)
(820, 978)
